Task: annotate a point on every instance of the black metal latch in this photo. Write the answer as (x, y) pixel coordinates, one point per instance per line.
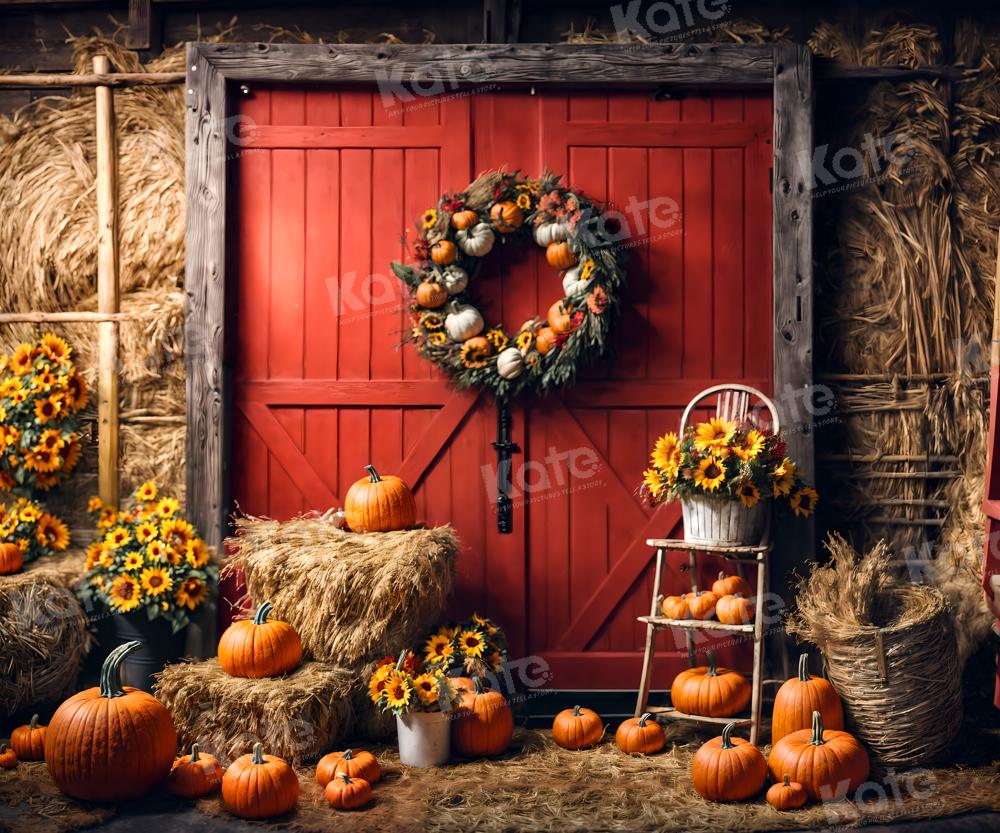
(505, 447)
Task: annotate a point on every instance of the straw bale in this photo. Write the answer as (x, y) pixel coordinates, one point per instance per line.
(353, 598)
(43, 633)
(298, 716)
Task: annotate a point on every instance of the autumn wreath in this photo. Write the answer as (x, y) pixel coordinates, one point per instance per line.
(502, 208)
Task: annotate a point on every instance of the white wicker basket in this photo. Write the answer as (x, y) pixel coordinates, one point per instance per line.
(722, 522)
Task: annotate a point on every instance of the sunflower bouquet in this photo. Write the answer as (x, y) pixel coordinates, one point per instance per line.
(474, 645)
(727, 459)
(35, 531)
(40, 394)
(147, 558)
(406, 685)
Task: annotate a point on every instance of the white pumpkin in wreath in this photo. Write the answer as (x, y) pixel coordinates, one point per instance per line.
(454, 279)
(510, 363)
(572, 282)
(476, 241)
(463, 322)
(546, 233)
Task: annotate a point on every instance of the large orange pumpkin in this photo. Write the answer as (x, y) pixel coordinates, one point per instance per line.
(483, 723)
(464, 219)
(640, 736)
(786, 795)
(346, 792)
(577, 728)
(799, 697)
(731, 585)
(110, 743)
(11, 558)
(379, 504)
(258, 648)
(828, 763)
(355, 762)
(29, 741)
(734, 610)
(728, 769)
(710, 691)
(260, 786)
(194, 775)
(560, 255)
(506, 216)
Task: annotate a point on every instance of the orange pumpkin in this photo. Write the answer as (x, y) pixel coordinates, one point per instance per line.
(545, 340)
(829, 764)
(110, 743)
(786, 795)
(355, 762)
(559, 255)
(728, 769)
(483, 724)
(640, 736)
(258, 648)
(8, 758)
(701, 603)
(443, 253)
(11, 558)
(710, 691)
(194, 775)
(259, 786)
(577, 728)
(28, 742)
(430, 294)
(379, 504)
(799, 697)
(674, 607)
(734, 610)
(506, 216)
(345, 792)
(731, 585)
(560, 317)
(464, 219)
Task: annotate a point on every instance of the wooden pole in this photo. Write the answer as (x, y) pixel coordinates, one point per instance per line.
(107, 289)
(62, 317)
(118, 79)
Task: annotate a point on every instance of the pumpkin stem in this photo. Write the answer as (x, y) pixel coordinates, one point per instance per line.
(477, 683)
(372, 473)
(346, 776)
(111, 677)
(258, 753)
(346, 755)
(260, 617)
(712, 671)
(817, 726)
(788, 781)
(804, 668)
(727, 736)
(642, 720)
(722, 574)
(33, 724)
(576, 711)
(194, 753)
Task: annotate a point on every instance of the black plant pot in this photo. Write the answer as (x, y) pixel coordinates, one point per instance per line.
(160, 647)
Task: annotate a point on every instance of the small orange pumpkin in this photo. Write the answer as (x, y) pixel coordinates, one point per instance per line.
(674, 607)
(430, 294)
(28, 742)
(728, 769)
(506, 216)
(559, 255)
(483, 723)
(464, 219)
(194, 775)
(786, 794)
(11, 558)
(545, 340)
(379, 504)
(731, 585)
(560, 317)
(710, 691)
(734, 610)
(259, 786)
(799, 697)
(346, 792)
(443, 253)
(577, 728)
(640, 736)
(701, 603)
(256, 648)
(829, 764)
(8, 758)
(355, 762)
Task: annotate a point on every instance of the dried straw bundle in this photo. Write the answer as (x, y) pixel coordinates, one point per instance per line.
(43, 633)
(40, 806)
(298, 717)
(890, 652)
(352, 598)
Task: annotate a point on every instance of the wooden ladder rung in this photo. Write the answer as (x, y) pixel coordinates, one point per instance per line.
(670, 713)
(694, 624)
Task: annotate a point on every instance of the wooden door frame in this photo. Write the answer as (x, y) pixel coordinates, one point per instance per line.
(215, 72)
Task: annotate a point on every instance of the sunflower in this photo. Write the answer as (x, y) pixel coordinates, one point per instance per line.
(473, 354)
(429, 218)
(93, 553)
(191, 593)
(105, 559)
(196, 553)
(44, 379)
(438, 648)
(52, 532)
(118, 537)
(803, 501)
(55, 348)
(76, 389)
(484, 623)
(7, 481)
(497, 338)
(524, 200)
(177, 533)
(94, 504)
(524, 339)
(471, 643)
(22, 359)
(156, 581)
(46, 409)
(710, 474)
(125, 593)
(438, 339)
(376, 685)
(397, 690)
(666, 454)
(50, 439)
(532, 359)
(427, 688)
(167, 506)
(29, 513)
(588, 269)
(71, 455)
(133, 561)
(749, 446)
(42, 460)
(147, 491)
(107, 517)
(156, 551)
(714, 434)
(19, 396)
(784, 477)
(653, 481)
(8, 387)
(748, 494)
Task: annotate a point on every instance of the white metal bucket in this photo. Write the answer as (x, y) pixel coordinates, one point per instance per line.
(722, 522)
(424, 738)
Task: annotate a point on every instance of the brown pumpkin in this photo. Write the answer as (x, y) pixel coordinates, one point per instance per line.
(577, 728)
(799, 697)
(110, 743)
(545, 340)
(194, 775)
(8, 757)
(506, 216)
(710, 691)
(734, 610)
(731, 585)
(727, 768)
(346, 792)
(640, 736)
(379, 504)
(483, 723)
(11, 558)
(786, 794)
(257, 647)
(259, 786)
(701, 603)
(444, 253)
(430, 294)
(560, 317)
(355, 762)
(674, 607)
(559, 255)
(28, 742)
(464, 219)
(829, 764)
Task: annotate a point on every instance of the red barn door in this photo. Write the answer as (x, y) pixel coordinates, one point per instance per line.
(329, 181)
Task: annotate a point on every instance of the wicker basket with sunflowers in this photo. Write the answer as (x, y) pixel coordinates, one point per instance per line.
(148, 558)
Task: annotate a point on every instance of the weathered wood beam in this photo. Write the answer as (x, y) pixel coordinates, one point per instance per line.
(110, 80)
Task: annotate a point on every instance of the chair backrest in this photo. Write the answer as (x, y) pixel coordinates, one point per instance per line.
(735, 401)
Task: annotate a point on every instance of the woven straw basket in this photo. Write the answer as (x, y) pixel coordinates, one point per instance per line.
(722, 522)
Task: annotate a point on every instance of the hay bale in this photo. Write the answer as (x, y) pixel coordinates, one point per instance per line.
(298, 716)
(43, 633)
(352, 598)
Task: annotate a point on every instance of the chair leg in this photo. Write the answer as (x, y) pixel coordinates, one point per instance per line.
(647, 671)
(756, 693)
